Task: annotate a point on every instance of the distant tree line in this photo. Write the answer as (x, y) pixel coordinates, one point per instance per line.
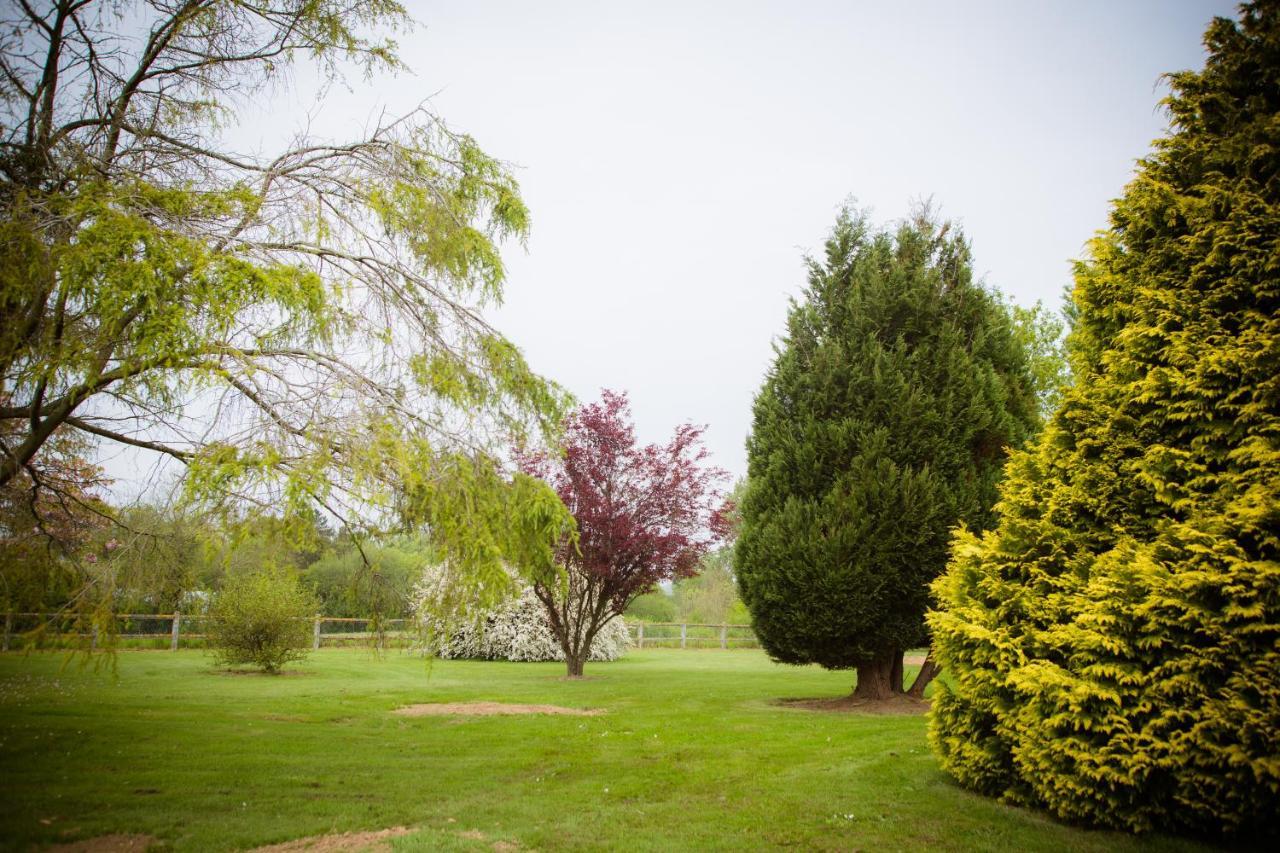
(158, 560)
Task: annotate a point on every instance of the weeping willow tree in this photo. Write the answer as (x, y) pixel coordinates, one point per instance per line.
(297, 329)
(1113, 644)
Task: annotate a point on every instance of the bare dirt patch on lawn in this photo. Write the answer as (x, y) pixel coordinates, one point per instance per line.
(118, 843)
(498, 846)
(375, 841)
(490, 709)
(895, 706)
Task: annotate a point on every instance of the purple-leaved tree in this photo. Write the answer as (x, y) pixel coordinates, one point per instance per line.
(644, 514)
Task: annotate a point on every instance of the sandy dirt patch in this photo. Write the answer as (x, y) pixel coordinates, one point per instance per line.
(375, 841)
(106, 844)
(898, 705)
(498, 846)
(489, 709)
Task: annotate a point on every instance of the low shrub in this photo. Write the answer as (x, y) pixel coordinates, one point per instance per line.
(261, 619)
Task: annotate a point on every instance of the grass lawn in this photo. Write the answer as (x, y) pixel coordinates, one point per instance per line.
(691, 755)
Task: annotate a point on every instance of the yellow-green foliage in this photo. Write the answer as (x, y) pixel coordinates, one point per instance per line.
(300, 329)
(1114, 644)
(261, 619)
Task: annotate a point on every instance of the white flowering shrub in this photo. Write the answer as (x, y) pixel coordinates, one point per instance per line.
(516, 630)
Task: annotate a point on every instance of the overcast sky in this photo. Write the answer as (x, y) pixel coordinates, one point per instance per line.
(681, 158)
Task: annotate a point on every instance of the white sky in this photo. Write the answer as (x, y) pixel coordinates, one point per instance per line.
(681, 158)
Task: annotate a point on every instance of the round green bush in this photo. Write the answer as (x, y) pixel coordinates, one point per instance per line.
(261, 619)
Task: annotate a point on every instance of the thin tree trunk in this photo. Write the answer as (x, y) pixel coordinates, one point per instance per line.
(574, 655)
(874, 679)
(572, 660)
(928, 671)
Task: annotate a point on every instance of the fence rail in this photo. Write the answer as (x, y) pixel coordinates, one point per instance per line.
(177, 628)
(691, 635)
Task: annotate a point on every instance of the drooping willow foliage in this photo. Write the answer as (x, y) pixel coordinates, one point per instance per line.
(294, 330)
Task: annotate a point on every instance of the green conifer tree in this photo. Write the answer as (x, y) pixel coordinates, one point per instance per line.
(883, 423)
(1113, 644)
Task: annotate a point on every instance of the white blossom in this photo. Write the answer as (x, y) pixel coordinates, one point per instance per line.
(516, 630)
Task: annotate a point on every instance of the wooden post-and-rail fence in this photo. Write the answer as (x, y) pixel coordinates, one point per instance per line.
(178, 628)
(686, 635)
(340, 631)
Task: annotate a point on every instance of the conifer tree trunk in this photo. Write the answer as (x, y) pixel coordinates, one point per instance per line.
(895, 674)
(928, 671)
(874, 679)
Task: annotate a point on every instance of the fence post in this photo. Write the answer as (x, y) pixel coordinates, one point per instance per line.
(173, 634)
(724, 636)
(684, 627)
(8, 629)
(315, 633)
(639, 637)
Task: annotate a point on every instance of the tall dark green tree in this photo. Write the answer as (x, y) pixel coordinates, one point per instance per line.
(1114, 643)
(882, 424)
